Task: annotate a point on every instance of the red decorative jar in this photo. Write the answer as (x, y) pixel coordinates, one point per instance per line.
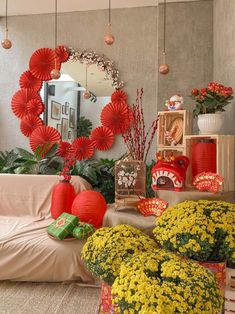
(63, 195)
(203, 157)
(106, 306)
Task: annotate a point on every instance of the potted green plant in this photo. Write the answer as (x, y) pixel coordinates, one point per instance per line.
(210, 102)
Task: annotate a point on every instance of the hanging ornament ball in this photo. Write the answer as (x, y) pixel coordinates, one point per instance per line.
(86, 95)
(55, 74)
(109, 39)
(6, 43)
(164, 68)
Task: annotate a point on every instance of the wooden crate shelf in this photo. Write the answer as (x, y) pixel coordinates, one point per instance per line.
(224, 157)
(229, 304)
(166, 120)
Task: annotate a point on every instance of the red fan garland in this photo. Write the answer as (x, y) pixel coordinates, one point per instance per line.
(82, 148)
(64, 149)
(119, 97)
(62, 53)
(29, 123)
(27, 80)
(102, 138)
(20, 100)
(42, 62)
(35, 107)
(116, 117)
(44, 136)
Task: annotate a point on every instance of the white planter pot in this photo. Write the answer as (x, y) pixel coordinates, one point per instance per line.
(210, 123)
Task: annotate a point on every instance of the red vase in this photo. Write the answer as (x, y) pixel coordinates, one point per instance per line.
(62, 199)
(203, 158)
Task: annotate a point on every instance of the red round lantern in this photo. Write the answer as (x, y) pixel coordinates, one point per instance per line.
(62, 199)
(90, 206)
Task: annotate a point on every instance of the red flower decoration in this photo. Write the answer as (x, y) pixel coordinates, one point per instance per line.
(117, 117)
(42, 62)
(27, 80)
(62, 53)
(82, 148)
(119, 96)
(64, 149)
(35, 107)
(20, 100)
(44, 136)
(102, 138)
(29, 123)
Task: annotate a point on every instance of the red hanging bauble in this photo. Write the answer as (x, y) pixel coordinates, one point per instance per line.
(62, 199)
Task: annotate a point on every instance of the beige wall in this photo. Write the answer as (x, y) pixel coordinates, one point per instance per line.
(224, 53)
(135, 53)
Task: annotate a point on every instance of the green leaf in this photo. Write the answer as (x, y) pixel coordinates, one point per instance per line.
(52, 151)
(24, 153)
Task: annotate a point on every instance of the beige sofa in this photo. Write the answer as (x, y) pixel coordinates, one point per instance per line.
(26, 251)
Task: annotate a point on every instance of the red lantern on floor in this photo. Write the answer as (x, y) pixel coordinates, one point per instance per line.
(62, 199)
(90, 206)
(203, 158)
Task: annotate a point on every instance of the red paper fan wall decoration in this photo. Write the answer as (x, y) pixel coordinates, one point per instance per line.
(44, 136)
(82, 148)
(42, 62)
(62, 53)
(20, 100)
(35, 106)
(64, 149)
(102, 138)
(119, 96)
(117, 117)
(29, 123)
(27, 80)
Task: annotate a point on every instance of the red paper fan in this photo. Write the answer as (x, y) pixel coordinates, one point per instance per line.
(42, 62)
(35, 107)
(119, 96)
(44, 136)
(102, 138)
(116, 117)
(208, 181)
(62, 53)
(29, 123)
(20, 100)
(27, 80)
(82, 148)
(152, 206)
(64, 149)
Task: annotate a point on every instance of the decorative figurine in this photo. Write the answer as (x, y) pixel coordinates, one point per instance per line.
(175, 102)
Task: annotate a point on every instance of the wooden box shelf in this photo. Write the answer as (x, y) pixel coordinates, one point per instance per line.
(224, 157)
(176, 122)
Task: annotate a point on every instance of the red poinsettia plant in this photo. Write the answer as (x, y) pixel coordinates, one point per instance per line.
(212, 98)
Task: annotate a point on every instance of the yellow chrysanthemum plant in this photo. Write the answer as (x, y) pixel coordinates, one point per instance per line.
(160, 282)
(107, 248)
(201, 230)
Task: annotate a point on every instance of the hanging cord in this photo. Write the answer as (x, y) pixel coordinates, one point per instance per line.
(164, 32)
(6, 21)
(109, 12)
(56, 23)
(86, 77)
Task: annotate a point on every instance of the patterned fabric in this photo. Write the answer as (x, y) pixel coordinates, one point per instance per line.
(63, 226)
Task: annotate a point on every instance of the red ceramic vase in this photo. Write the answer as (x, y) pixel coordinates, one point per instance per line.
(62, 199)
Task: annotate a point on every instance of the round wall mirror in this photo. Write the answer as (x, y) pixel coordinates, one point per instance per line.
(66, 107)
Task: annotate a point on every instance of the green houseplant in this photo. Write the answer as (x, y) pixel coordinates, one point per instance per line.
(210, 102)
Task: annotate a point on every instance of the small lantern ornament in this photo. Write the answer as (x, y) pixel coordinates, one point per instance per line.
(109, 38)
(164, 67)
(86, 94)
(6, 43)
(55, 73)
